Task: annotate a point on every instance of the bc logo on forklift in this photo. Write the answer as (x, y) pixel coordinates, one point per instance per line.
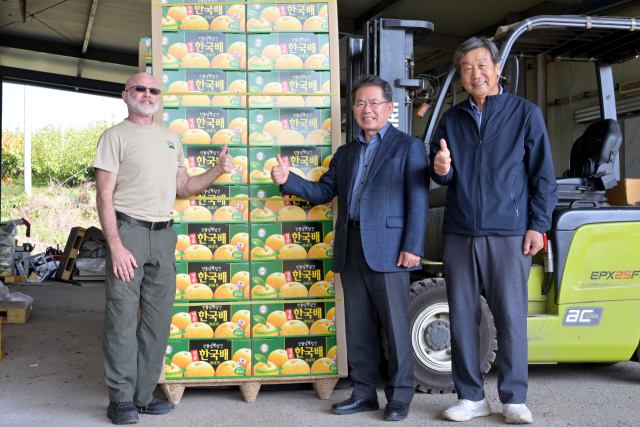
(614, 275)
(582, 316)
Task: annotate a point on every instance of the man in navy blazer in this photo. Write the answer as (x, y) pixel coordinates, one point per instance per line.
(381, 182)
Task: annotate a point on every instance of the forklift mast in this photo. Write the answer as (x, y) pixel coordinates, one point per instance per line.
(387, 52)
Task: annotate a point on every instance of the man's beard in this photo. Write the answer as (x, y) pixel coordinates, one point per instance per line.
(135, 106)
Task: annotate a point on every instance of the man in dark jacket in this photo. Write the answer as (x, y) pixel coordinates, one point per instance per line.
(381, 183)
(492, 150)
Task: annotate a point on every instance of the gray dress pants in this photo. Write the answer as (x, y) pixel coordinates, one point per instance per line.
(134, 352)
(369, 295)
(497, 263)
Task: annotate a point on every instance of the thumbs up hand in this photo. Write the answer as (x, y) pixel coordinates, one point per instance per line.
(442, 161)
(280, 173)
(225, 162)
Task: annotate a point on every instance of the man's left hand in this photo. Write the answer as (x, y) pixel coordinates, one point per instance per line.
(225, 162)
(408, 260)
(533, 242)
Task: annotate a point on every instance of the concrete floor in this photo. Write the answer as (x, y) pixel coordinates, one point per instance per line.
(63, 338)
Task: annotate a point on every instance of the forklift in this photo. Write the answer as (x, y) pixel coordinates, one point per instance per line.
(584, 288)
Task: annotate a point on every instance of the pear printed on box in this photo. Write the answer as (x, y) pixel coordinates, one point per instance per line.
(285, 207)
(305, 161)
(211, 320)
(212, 15)
(212, 280)
(288, 17)
(295, 356)
(291, 240)
(289, 51)
(292, 279)
(203, 50)
(217, 203)
(195, 82)
(211, 241)
(313, 87)
(282, 126)
(207, 358)
(294, 318)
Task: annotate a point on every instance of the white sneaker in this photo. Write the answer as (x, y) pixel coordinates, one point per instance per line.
(465, 410)
(517, 413)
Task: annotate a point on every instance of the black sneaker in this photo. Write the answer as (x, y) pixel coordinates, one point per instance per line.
(156, 407)
(122, 413)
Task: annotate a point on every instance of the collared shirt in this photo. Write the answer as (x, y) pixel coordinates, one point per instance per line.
(364, 161)
(478, 115)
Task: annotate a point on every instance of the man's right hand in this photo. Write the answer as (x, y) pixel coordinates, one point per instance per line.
(280, 173)
(442, 161)
(123, 263)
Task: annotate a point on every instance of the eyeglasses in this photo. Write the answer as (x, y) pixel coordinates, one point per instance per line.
(372, 104)
(140, 88)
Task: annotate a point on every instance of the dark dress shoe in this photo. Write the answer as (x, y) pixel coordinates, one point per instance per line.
(353, 405)
(396, 411)
(156, 407)
(122, 413)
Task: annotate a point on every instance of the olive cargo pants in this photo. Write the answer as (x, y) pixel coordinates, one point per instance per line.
(133, 352)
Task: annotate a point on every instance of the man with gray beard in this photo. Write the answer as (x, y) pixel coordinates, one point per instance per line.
(139, 170)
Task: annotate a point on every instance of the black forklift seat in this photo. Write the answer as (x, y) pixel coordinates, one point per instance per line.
(591, 166)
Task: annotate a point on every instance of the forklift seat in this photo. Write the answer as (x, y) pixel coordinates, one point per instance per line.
(591, 166)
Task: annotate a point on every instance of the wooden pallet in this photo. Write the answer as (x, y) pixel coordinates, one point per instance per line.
(70, 253)
(16, 312)
(250, 386)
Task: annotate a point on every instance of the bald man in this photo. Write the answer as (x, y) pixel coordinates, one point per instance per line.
(139, 169)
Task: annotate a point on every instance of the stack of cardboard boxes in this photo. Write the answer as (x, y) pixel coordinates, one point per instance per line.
(255, 291)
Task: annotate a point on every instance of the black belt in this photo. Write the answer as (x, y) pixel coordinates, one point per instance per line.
(353, 223)
(145, 224)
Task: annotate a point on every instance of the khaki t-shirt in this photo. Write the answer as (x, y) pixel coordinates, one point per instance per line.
(146, 159)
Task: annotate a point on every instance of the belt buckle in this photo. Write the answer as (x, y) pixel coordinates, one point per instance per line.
(156, 225)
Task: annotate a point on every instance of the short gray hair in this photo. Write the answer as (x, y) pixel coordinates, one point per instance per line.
(368, 80)
(474, 43)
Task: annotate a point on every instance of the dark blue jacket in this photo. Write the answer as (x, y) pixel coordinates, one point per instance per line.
(393, 206)
(501, 181)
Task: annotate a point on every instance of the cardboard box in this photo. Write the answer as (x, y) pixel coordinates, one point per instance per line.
(198, 159)
(211, 241)
(181, 81)
(626, 193)
(204, 50)
(295, 356)
(286, 279)
(287, 17)
(207, 126)
(211, 320)
(290, 126)
(284, 207)
(308, 162)
(291, 240)
(225, 204)
(206, 359)
(288, 51)
(212, 15)
(302, 82)
(221, 280)
(296, 318)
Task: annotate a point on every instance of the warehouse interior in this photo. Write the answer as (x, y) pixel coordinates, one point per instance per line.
(51, 372)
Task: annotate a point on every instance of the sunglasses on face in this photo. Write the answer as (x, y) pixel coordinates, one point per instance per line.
(140, 88)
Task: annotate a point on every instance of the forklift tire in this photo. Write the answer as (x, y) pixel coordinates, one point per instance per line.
(431, 337)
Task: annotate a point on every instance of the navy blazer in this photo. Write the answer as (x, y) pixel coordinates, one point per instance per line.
(393, 206)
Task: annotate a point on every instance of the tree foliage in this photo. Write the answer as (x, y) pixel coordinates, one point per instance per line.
(58, 155)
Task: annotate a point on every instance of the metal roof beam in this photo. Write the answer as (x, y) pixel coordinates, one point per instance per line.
(69, 51)
(85, 45)
(58, 81)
